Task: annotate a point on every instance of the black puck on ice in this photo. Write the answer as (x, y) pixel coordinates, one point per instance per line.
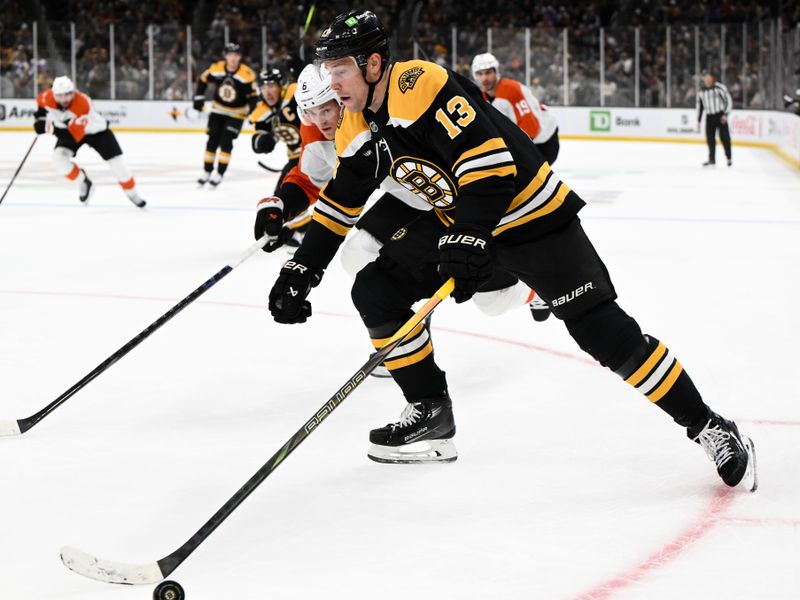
(169, 590)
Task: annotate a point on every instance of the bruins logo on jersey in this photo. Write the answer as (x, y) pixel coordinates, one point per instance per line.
(425, 180)
(227, 92)
(399, 234)
(409, 78)
(288, 134)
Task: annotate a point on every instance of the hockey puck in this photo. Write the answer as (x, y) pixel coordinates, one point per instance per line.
(169, 590)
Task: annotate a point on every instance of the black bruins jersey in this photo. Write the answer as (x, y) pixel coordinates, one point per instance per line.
(437, 137)
(282, 121)
(235, 94)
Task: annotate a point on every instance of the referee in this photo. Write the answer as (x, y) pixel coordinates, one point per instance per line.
(714, 98)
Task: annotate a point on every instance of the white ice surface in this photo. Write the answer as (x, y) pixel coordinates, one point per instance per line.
(568, 484)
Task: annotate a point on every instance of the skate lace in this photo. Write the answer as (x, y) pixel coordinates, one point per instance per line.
(715, 442)
(409, 416)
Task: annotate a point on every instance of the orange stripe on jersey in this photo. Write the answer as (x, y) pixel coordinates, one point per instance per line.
(80, 105)
(511, 90)
(46, 99)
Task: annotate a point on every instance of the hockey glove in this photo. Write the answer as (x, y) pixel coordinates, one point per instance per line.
(287, 299)
(269, 222)
(40, 126)
(263, 143)
(465, 255)
(199, 102)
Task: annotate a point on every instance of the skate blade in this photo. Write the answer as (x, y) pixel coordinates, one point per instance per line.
(427, 451)
(750, 479)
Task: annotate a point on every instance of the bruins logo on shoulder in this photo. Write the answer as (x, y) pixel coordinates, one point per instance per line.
(408, 79)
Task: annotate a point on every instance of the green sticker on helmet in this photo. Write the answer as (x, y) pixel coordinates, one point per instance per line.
(351, 22)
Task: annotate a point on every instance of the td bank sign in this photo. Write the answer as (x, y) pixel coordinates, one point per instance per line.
(600, 120)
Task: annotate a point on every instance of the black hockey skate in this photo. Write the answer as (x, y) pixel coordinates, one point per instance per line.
(203, 179)
(136, 199)
(733, 453)
(540, 310)
(87, 187)
(423, 434)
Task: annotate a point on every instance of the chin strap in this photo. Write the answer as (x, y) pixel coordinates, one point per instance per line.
(371, 86)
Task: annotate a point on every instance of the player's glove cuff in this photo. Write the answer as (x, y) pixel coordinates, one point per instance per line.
(465, 254)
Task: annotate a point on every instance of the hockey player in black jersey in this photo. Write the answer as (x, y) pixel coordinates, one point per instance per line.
(497, 204)
(276, 118)
(234, 97)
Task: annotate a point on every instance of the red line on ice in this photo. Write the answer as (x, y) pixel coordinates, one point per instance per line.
(720, 501)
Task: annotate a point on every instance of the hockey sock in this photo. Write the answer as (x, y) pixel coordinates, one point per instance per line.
(208, 160)
(411, 363)
(655, 372)
(62, 158)
(222, 163)
(76, 174)
(123, 175)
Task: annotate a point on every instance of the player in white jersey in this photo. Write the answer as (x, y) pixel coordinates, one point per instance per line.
(70, 116)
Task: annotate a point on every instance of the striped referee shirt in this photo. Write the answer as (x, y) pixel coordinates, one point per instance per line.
(714, 100)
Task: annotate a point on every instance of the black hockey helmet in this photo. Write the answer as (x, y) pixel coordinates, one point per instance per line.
(231, 47)
(358, 33)
(271, 74)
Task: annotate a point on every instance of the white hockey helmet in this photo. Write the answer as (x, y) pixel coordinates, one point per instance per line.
(313, 89)
(63, 85)
(485, 61)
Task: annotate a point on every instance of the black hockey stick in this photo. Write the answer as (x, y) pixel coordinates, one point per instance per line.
(19, 168)
(20, 426)
(111, 572)
(268, 168)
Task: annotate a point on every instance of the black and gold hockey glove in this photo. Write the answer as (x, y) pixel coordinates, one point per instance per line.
(465, 255)
(287, 299)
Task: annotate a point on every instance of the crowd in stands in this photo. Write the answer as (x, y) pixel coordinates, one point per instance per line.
(275, 33)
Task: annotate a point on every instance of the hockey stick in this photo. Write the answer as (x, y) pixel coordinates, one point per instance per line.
(20, 426)
(268, 168)
(111, 572)
(19, 168)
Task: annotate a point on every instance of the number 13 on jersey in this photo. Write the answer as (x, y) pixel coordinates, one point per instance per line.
(457, 105)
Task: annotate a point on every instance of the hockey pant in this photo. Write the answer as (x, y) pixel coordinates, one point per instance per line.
(386, 219)
(222, 130)
(565, 269)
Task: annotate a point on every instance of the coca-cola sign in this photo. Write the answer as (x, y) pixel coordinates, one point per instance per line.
(744, 124)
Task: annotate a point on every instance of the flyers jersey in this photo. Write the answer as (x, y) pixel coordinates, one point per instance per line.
(79, 119)
(234, 94)
(436, 137)
(281, 121)
(517, 102)
(315, 169)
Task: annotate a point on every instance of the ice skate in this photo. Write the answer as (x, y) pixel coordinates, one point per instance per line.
(203, 179)
(422, 435)
(215, 180)
(134, 197)
(87, 187)
(540, 310)
(709, 163)
(733, 453)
